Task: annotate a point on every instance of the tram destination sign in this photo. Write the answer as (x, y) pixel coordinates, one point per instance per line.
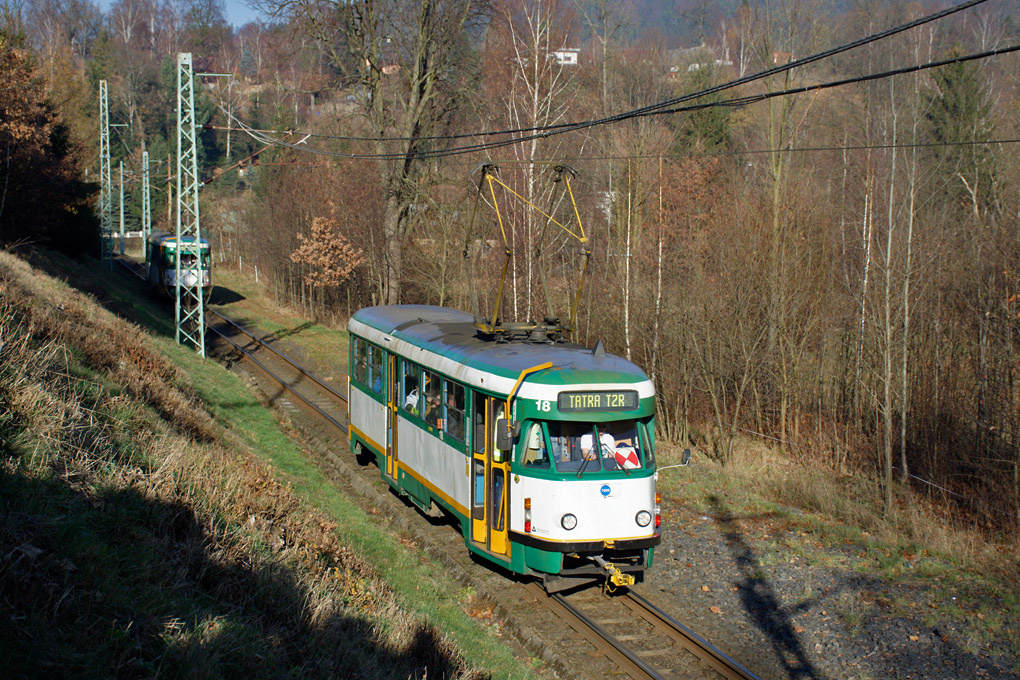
(603, 400)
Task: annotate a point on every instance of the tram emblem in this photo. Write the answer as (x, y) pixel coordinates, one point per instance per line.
(606, 490)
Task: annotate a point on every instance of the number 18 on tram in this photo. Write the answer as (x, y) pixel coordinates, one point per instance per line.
(543, 451)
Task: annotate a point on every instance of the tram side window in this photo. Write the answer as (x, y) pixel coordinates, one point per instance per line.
(535, 453)
(360, 361)
(375, 369)
(648, 450)
(478, 423)
(168, 258)
(433, 399)
(409, 397)
(454, 407)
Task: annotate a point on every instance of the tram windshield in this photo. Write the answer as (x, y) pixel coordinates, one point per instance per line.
(585, 447)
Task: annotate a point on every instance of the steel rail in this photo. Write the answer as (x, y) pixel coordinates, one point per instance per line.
(248, 355)
(132, 266)
(709, 654)
(278, 353)
(603, 641)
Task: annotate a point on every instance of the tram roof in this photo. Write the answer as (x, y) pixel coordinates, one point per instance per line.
(162, 237)
(451, 334)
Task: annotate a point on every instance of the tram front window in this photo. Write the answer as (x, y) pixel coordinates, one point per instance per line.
(594, 446)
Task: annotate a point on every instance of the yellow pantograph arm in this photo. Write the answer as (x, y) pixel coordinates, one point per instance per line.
(552, 219)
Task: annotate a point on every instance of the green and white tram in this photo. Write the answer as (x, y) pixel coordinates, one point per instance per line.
(543, 451)
(161, 252)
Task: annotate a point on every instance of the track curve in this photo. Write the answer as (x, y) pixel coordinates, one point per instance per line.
(633, 636)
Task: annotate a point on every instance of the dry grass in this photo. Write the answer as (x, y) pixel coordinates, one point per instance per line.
(138, 537)
(916, 540)
(855, 502)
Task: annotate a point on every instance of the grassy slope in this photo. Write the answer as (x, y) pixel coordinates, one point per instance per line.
(156, 518)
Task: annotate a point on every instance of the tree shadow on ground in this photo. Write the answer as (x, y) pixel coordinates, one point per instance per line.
(120, 584)
(760, 600)
(884, 642)
(221, 295)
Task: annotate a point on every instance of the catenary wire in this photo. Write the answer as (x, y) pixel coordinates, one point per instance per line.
(543, 131)
(729, 103)
(713, 154)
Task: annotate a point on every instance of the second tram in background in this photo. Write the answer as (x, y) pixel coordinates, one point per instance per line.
(544, 451)
(161, 254)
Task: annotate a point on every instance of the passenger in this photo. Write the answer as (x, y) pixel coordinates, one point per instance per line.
(411, 400)
(433, 410)
(454, 417)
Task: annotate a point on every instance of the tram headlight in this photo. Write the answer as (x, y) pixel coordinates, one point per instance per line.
(568, 521)
(643, 518)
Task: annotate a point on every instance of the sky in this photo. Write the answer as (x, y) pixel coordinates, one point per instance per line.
(236, 11)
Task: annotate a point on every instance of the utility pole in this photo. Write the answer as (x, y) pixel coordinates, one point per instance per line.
(146, 204)
(189, 307)
(122, 208)
(105, 198)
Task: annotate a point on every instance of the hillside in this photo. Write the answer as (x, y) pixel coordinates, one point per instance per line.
(144, 530)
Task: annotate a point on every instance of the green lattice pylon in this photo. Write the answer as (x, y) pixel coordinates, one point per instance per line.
(189, 307)
(122, 237)
(146, 201)
(105, 189)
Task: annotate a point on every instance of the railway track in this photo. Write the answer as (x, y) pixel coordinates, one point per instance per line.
(633, 637)
(638, 638)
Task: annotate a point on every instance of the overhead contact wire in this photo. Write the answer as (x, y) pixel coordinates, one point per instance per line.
(659, 108)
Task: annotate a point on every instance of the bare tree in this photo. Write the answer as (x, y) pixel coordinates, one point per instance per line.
(403, 57)
(525, 40)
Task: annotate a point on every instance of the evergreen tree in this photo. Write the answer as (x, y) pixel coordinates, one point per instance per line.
(703, 130)
(958, 121)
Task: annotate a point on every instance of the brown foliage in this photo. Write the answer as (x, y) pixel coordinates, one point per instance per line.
(41, 198)
(332, 257)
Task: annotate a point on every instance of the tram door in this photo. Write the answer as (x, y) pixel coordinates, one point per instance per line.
(392, 400)
(489, 470)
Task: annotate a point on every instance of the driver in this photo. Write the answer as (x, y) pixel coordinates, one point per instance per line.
(607, 443)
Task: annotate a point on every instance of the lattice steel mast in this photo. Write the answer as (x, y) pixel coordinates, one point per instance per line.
(146, 202)
(189, 306)
(122, 237)
(105, 191)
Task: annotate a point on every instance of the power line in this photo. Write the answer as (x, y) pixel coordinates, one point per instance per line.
(652, 109)
(717, 154)
(802, 149)
(729, 103)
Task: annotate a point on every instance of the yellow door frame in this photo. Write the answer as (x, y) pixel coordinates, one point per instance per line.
(391, 417)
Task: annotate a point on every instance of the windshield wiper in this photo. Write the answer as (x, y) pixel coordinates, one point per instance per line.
(581, 471)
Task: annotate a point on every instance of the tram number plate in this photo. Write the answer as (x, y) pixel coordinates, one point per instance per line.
(619, 400)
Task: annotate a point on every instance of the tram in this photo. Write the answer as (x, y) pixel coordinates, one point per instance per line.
(161, 263)
(541, 449)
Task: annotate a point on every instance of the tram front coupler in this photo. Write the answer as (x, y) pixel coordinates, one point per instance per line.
(615, 578)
